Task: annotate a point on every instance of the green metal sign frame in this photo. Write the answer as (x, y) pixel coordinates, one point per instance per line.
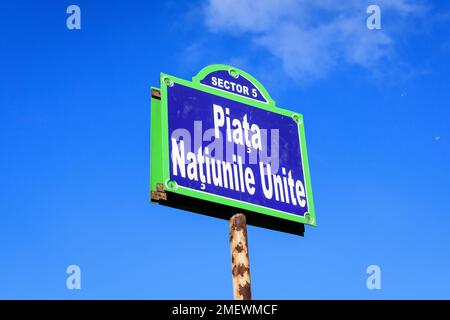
(160, 185)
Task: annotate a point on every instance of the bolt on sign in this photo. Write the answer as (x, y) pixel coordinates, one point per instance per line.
(220, 145)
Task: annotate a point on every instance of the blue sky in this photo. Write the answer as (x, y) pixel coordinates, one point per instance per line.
(74, 143)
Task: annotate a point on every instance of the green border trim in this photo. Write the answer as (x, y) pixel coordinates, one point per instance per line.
(156, 142)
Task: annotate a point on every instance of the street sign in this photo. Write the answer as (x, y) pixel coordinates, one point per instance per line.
(219, 143)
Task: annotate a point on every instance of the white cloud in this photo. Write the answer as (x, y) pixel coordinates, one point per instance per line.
(246, 16)
(311, 37)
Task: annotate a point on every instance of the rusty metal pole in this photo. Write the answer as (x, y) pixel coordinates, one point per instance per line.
(239, 257)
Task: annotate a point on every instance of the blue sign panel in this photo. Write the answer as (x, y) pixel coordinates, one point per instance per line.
(232, 150)
(230, 81)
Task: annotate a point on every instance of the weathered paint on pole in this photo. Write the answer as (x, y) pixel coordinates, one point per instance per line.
(239, 257)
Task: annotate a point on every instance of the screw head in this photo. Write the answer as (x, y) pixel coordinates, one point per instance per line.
(233, 73)
(171, 184)
(168, 81)
(297, 118)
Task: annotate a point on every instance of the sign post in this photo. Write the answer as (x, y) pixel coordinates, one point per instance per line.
(220, 145)
(240, 265)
